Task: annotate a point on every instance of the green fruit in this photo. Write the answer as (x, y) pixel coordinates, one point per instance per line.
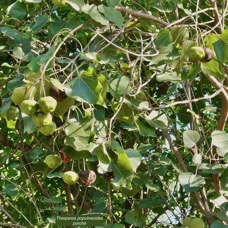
(18, 95)
(70, 177)
(48, 129)
(196, 53)
(53, 161)
(42, 119)
(29, 107)
(47, 104)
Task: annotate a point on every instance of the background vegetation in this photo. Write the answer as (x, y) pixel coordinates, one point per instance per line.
(150, 121)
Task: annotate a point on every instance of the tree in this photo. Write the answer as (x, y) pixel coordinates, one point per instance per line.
(136, 105)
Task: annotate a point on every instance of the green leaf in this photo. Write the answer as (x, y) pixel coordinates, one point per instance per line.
(213, 68)
(190, 138)
(221, 50)
(73, 153)
(53, 199)
(121, 167)
(94, 13)
(125, 114)
(168, 76)
(112, 2)
(144, 128)
(85, 88)
(150, 202)
(82, 129)
(16, 39)
(102, 154)
(135, 217)
(40, 23)
(63, 106)
(163, 38)
(218, 224)
(18, 53)
(112, 14)
(120, 86)
(10, 189)
(193, 223)
(220, 139)
(134, 157)
(17, 10)
(76, 4)
(80, 143)
(157, 120)
(191, 182)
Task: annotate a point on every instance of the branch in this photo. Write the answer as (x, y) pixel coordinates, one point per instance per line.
(69, 200)
(143, 15)
(224, 94)
(222, 120)
(176, 151)
(217, 16)
(203, 207)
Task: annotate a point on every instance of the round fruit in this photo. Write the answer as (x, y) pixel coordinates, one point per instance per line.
(41, 119)
(53, 161)
(47, 104)
(29, 107)
(70, 177)
(87, 177)
(48, 129)
(196, 54)
(18, 95)
(58, 94)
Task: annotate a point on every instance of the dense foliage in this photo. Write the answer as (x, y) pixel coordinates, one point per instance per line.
(139, 115)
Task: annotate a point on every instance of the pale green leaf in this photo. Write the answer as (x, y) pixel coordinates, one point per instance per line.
(134, 157)
(190, 138)
(120, 86)
(220, 139)
(112, 14)
(93, 12)
(191, 182)
(76, 4)
(18, 53)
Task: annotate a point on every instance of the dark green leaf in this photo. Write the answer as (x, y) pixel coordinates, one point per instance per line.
(155, 201)
(135, 218)
(40, 23)
(85, 88)
(17, 10)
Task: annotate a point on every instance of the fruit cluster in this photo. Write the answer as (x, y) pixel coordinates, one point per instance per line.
(83, 177)
(40, 108)
(41, 112)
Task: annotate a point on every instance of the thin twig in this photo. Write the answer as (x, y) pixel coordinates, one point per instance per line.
(143, 15)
